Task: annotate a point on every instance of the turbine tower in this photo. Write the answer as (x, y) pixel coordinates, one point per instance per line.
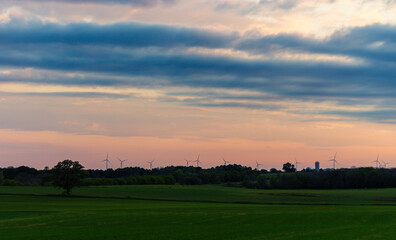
(296, 163)
(377, 162)
(226, 162)
(258, 165)
(107, 161)
(151, 164)
(385, 164)
(197, 161)
(187, 161)
(121, 161)
(334, 160)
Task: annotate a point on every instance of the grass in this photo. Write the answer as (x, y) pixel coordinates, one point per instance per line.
(199, 212)
(214, 193)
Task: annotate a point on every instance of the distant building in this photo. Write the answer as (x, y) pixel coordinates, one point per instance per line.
(317, 166)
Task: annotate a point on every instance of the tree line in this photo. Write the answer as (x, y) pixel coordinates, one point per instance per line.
(135, 175)
(235, 175)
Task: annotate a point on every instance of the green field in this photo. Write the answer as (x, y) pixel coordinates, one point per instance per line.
(196, 212)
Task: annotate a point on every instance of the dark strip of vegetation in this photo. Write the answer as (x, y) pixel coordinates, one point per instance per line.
(333, 179)
(232, 175)
(139, 176)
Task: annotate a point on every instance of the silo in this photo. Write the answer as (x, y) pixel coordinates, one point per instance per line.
(317, 166)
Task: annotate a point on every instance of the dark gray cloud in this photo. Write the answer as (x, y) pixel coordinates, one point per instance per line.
(224, 6)
(120, 34)
(387, 116)
(255, 7)
(139, 55)
(267, 107)
(141, 63)
(284, 4)
(292, 78)
(61, 78)
(370, 43)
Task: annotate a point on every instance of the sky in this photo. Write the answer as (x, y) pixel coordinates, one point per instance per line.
(246, 80)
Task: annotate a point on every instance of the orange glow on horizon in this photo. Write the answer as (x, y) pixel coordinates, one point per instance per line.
(47, 148)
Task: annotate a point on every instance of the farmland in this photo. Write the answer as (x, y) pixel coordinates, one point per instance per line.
(196, 212)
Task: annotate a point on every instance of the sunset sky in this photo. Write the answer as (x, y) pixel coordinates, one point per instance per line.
(247, 80)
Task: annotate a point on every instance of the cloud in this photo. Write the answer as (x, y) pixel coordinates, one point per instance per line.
(298, 78)
(117, 67)
(284, 4)
(387, 116)
(226, 6)
(370, 43)
(120, 34)
(253, 6)
(146, 3)
(70, 94)
(153, 56)
(267, 107)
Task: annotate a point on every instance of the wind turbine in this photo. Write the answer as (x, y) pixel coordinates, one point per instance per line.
(385, 164)
(258, 165)
(107, 161)
(187, 161)
(377, 162)
(334, 160)
(121, 161)
(197, 161)
(226, 162)
(296, 163)
(151, 164)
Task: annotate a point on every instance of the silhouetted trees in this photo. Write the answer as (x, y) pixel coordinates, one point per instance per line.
(333, 179)
(23, 176)
(288, 167)
(185, 175)
(67, 175)
(1, 178)
(262, 181)
(231, 175)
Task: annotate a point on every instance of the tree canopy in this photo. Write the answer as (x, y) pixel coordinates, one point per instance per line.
(288, 167)
(1, 177)
(67, 175)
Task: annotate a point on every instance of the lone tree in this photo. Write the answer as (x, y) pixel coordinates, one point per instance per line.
(288, 167)
(67, 175)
